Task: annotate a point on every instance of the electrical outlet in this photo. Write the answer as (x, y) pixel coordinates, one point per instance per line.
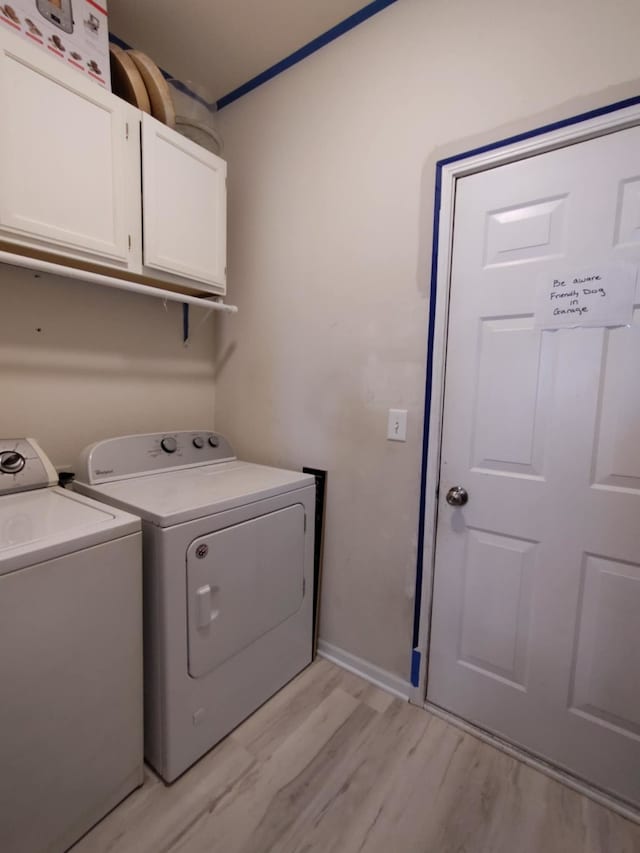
(397, 425)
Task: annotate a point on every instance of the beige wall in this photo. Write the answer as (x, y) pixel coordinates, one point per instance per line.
(79, 362)
(330, 188)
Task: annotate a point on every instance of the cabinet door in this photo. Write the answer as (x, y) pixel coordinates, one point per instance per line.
(64, 158)
(183, 206)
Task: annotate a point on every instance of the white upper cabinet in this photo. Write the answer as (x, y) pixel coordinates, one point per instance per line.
(69, 160)
(184, 208)
(72, 160)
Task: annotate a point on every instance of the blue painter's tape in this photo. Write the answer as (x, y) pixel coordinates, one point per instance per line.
(427, 402)
(114, 39)
(502, 143)
(182, 87)
(330, 35)
(415, 667)
(178, 84)
(546, 128)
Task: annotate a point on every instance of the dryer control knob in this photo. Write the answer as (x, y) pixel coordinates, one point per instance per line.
(198, 442)
(169, 445)
(214, 441)
(11, 462)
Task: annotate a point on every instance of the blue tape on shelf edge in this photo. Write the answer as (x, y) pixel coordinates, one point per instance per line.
(502, 143)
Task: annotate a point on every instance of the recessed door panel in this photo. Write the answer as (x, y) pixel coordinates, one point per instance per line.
(628, 216)
(617, 448)
(242, 582)
(511, 397)
(496, 605)
(525, 232)
(609, 632)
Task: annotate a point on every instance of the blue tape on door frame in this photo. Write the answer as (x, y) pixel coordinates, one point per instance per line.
(520, 137)
(415, 667)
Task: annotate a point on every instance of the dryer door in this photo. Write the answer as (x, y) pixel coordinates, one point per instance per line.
(241, 582)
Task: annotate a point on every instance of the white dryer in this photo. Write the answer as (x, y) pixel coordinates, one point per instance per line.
(228, 581)
(70, 656)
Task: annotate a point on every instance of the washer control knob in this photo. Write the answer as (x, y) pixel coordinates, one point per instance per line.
(11, 462)
(214, 441)
(198, 442)
(169, 444)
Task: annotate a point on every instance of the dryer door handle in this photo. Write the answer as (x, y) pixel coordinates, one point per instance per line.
(204, 613)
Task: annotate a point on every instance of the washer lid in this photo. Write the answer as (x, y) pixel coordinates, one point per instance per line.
(173, 497)
(43, 524)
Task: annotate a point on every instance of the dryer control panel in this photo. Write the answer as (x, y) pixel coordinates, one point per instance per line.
(24, 466)
(135, 455)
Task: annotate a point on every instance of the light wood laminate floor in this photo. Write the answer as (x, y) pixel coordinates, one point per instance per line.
(331, 763)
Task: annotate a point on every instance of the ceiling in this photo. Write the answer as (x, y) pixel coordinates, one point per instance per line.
(215, 46)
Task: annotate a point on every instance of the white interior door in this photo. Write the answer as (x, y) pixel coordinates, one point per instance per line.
(184, 201)
(68, 165)
(536, 603)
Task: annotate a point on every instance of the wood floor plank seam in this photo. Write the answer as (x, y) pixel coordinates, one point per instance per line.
(334, 765)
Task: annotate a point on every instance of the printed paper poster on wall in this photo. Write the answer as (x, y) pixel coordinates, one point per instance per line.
(598, 295)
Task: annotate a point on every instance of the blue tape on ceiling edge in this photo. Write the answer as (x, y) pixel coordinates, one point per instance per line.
(178, 84)
(114, 39)
(511, 140)
(306, 50)
(330, 35)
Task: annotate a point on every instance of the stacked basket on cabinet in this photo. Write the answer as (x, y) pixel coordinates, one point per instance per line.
(136, 78)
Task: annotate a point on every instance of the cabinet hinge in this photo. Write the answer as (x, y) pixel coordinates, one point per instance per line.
(129, 242)
(126, 130)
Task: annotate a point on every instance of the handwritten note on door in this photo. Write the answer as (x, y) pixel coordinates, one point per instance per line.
(600, 295)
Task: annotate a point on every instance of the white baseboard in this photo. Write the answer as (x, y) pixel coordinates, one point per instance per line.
(369, 671)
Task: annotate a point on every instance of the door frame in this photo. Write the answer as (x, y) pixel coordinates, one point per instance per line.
(580, 128)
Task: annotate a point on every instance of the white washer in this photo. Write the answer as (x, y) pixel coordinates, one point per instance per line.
(70, 656)
(228, 581)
